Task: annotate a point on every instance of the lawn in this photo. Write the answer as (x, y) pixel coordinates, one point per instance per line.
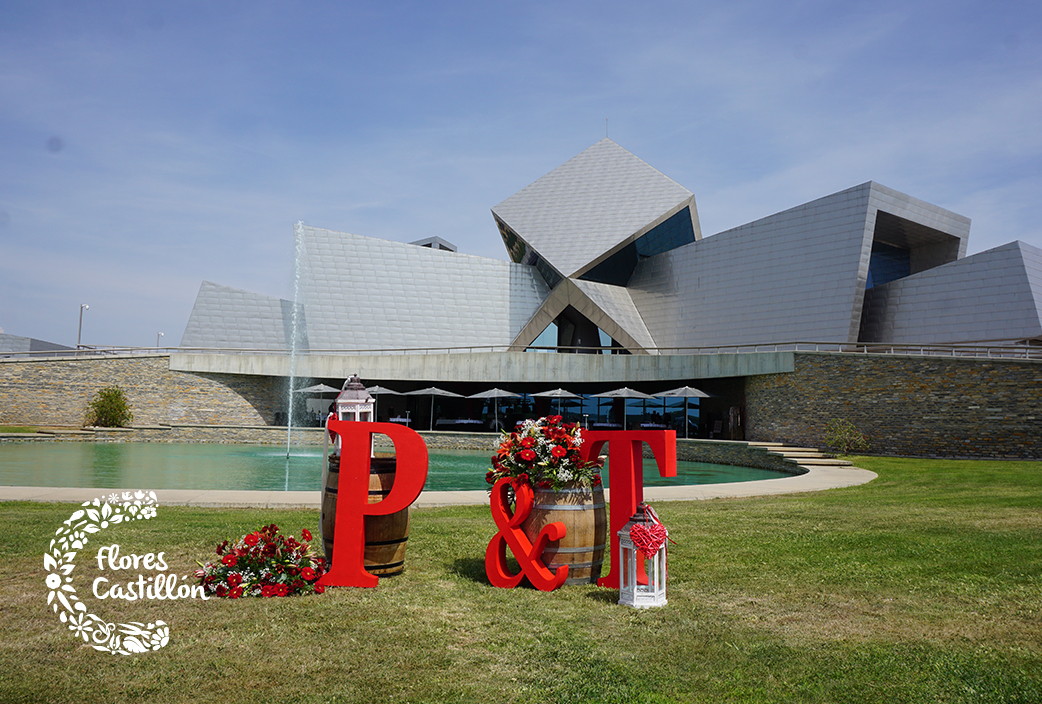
(924, 585)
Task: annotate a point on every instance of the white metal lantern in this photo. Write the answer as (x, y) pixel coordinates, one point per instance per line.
(642, 580)
(353, 404)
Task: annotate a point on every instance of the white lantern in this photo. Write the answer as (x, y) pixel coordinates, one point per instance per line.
(353, 404)
(642, 579)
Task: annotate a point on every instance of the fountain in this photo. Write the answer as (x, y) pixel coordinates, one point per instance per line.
(296, 327)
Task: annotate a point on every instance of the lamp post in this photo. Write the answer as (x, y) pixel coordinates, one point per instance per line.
(79, 333)
(158, 335)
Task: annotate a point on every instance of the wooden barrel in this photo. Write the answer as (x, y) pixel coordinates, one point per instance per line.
(385, 536)
(582, 510)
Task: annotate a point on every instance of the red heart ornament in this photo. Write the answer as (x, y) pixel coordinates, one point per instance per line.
(648, 540)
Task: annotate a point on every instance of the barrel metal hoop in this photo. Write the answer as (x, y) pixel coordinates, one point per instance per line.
(386, 542)
(585, 548)
(575, 565)
(567, 507)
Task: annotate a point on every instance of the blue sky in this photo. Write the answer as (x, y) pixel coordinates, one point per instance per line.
(147, 147)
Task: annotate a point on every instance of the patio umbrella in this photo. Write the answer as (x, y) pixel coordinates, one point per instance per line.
(558, 394)
(624, 392)
(495, 394)
(432, 391)
(317, 389)
(376, 391)
(684, 392)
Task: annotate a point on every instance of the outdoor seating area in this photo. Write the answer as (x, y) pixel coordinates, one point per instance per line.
(492, 410)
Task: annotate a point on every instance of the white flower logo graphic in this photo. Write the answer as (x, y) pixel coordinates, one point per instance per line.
(124, 638)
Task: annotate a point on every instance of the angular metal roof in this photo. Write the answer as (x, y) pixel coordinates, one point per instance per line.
(230, 318)
(591, 206)
(367, 293)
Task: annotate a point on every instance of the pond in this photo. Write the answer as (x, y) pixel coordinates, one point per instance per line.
(262, 467)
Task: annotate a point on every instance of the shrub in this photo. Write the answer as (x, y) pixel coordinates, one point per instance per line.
(109, 409)
(844, 438)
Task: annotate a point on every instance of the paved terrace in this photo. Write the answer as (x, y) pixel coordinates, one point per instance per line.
(815, 479)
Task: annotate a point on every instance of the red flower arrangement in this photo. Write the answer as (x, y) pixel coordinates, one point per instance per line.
(263, 563)
(545, 453)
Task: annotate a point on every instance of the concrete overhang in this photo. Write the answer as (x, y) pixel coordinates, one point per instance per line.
(497, 367)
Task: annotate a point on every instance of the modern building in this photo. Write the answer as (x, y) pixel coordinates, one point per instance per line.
(608, 262)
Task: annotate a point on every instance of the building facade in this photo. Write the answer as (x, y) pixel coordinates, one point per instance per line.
(611, 283)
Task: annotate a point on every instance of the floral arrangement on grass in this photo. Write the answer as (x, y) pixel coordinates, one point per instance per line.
(545, 453)
(263, 563)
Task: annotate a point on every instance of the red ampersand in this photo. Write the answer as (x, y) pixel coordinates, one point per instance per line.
(528, 554)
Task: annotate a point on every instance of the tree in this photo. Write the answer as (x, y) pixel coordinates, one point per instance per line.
(109, 409)
(844, 438)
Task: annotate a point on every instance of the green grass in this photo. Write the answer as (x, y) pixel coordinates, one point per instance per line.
(17, 429)
(922, 586)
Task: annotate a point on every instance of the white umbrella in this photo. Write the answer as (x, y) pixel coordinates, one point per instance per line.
(495, 394)
(317, 389)
(624, 392)
(558, 394)
(375, 391)
(432, 391)
(684, 392)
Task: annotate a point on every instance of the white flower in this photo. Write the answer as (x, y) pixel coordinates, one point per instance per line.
(81, 625)
(564, 475)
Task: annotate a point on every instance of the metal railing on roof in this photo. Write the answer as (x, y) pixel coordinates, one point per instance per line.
(992, 349)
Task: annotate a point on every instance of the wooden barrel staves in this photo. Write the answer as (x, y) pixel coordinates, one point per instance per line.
(582, 510)
(385, 536)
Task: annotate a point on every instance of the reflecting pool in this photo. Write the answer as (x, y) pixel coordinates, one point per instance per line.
(261, 467)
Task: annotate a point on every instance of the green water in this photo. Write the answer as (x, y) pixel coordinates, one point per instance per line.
(260, 467)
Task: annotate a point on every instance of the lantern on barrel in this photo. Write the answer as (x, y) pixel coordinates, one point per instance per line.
(642, 558)
(354, 403)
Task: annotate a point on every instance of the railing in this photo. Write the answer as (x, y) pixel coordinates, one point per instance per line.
(992, 349)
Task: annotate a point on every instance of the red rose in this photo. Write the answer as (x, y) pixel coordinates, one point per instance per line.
(524, 478)
(489, 477)
(544, 484)
(252, 539)
(527, 455)
(306, 535)
(230, 560)
(596, 480)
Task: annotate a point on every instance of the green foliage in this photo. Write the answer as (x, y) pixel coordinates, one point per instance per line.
(844, 438)
(109, 409)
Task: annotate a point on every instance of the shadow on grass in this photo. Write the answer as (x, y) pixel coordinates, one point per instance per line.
(605, 596)
(472, 568)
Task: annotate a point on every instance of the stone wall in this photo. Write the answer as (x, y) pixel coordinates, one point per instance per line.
(730, 452)
(905, 405)
(56, 392)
